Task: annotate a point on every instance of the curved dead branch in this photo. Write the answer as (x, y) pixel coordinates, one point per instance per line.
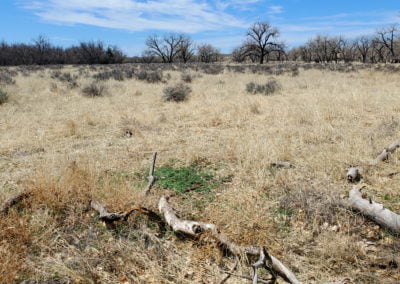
(195, 229)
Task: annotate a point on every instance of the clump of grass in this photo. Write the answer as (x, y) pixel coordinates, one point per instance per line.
(177, 93)
(94, 90)
(184, 179)
(3, 97)
(268, 88)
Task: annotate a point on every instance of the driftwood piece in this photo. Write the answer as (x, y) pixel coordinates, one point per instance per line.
(195, 229)
(151, 178)
(353, 175)
(375, 211)
(12, 201)
(385, 154)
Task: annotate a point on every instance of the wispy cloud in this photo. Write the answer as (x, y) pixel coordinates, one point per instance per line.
(350, 25)
(187, 16)
(275, 10)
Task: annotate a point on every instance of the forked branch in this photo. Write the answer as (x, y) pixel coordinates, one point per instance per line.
(195, 229)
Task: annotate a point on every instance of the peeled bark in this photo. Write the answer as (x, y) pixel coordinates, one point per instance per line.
(195, 229)
(373, 210)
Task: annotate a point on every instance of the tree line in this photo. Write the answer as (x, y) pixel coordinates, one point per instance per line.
(42, 52)
(261, 44)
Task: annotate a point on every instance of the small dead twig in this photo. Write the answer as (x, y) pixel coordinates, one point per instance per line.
(266, 281)
(151, 178)
(229, 273)
(13, 200)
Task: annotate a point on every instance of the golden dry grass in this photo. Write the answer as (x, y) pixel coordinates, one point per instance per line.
(68, 149)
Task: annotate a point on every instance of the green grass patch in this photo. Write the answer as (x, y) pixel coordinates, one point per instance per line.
(185, 179)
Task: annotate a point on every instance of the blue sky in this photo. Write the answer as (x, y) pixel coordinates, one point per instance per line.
(223, 23)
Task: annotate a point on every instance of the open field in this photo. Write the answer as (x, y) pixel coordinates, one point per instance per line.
(68, 148)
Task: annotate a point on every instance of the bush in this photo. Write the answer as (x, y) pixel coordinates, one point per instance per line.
(177, 93)
(3, 97)
(187, 78)
(267, 89)
(150, 77)
(94, 90)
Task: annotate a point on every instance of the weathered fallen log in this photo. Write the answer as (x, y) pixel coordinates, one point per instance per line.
(151, 178)
(384, 155)
(195, 229)
(375, 211)
(13, 200)
(353, 175)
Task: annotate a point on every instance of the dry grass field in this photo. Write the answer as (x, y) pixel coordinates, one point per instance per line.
(67, 149)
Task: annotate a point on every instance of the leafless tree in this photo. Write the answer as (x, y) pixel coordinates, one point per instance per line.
(168, 47)
(390, 37)
(260, 38)
(363, 45)
(186, 50)
(207, 53)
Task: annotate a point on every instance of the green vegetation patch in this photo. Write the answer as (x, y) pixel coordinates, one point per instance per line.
(185, 179)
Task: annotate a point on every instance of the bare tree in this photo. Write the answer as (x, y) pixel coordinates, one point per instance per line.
(42, 47)
(260, 40)
(363, 45)
(168, 48)
(186, 50)
(389, 37)
(239, 54)
(207, 53)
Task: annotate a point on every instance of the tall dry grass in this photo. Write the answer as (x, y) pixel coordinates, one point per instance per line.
(68, 149)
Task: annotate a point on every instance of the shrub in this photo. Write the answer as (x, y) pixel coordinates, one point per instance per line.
(94, 90)
(266, 89)
(150, 77)
(177, 93)
(187, 78)
(6, 78)
(3, 97)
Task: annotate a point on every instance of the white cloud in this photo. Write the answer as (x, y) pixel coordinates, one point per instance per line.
(275, 10)
(187, 16)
